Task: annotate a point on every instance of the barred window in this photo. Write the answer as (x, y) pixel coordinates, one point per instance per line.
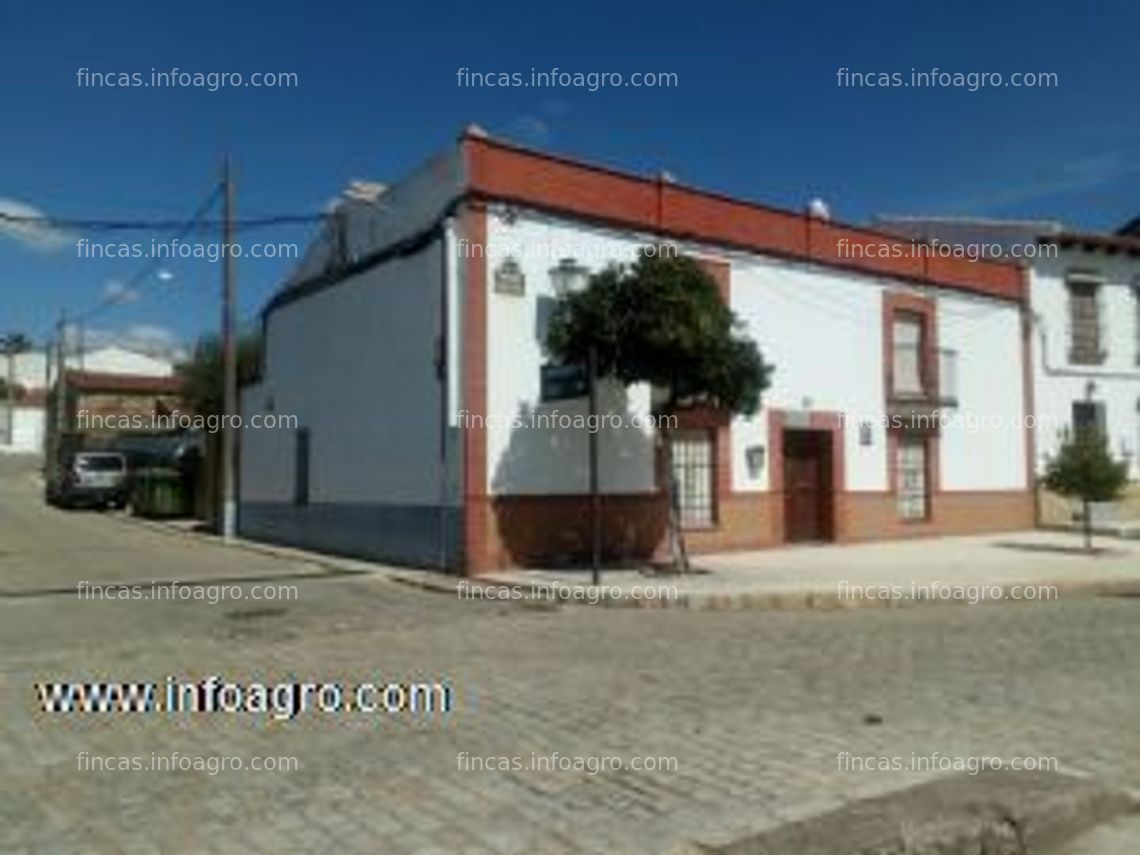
(692, 452)
(913, 487)
(1090, 416)
(1084, 322)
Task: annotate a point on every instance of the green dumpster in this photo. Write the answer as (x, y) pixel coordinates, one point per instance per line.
(158, 493)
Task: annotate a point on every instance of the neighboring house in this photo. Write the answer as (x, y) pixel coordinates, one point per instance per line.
(98, 407)
(1085, 299)
(35, 374)
(409, 345)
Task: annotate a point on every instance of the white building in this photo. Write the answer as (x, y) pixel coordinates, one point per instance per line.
(409, 345)
(34, 373)
(1085, 298)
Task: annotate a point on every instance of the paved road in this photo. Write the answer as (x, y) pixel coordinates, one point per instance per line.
(754, 706)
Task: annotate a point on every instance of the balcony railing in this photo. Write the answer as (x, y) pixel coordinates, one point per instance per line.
(923, 375)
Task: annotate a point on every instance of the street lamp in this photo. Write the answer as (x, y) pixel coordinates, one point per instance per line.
(570, 277)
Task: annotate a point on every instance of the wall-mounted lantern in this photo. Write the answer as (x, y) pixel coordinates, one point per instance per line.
(569, 277)
(866, 436)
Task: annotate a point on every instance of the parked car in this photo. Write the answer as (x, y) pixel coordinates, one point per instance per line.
(96, 478)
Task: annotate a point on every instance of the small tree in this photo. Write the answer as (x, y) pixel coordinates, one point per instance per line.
(1084, 469)
(662, 321)
(202, 386)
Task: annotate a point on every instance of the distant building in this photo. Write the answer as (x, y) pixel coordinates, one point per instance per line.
(35, 375)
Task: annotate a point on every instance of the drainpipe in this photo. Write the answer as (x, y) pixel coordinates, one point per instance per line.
(443, 369)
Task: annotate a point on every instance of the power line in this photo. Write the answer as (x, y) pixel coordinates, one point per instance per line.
(102, 224)
(186, 227)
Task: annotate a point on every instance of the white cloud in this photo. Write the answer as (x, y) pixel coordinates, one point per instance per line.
(34, 235)
(119, 292)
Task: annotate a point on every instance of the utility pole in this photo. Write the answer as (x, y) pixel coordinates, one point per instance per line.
(45, 441)
(229, 362)
(595, 494)
(60, 387)
(10, 393)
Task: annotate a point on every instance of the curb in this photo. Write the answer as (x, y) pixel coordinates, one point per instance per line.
(999, 812)
(807, 599)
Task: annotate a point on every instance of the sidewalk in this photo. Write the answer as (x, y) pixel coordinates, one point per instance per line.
(1028, 566)
(1022, 566)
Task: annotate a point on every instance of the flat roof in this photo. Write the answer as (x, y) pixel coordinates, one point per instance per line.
(504, 171)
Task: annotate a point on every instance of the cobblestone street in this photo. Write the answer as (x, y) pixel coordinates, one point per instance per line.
(755, 706)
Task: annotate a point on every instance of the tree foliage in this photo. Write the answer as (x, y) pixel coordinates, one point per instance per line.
(201, 375)
(662, 321)
(14, 342)
(1084, 469)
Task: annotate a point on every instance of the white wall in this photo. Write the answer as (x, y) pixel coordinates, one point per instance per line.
(355, 364)
(29, 372)
(1117, 380)
(28, 430)
(820, 327)
(551, 460)
(118, 360)
(984, 437)
(822, 331)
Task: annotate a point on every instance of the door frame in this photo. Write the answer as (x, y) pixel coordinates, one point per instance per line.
(823, 514)
(827, 421)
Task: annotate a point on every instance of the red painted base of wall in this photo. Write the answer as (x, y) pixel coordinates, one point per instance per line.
(554, 531)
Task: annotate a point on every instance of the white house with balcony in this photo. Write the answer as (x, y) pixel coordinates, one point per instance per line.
(409, 345)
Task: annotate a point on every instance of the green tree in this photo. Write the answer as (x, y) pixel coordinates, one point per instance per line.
(14, 342)
(1084, 469)
(663, 321)
(202, 388)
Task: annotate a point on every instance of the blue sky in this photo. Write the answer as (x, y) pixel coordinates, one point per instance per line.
(757, 113)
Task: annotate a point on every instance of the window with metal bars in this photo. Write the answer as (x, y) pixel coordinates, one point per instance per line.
(693, 453)
(1084, 322)
(913, 488)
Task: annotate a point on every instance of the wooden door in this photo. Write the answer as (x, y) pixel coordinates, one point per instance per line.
(807, 486)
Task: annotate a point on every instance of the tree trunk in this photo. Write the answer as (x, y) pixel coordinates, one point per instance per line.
(677, 551)
(1088, 524)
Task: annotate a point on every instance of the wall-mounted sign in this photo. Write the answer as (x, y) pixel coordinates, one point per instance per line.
(509, 278)
(563, 382)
